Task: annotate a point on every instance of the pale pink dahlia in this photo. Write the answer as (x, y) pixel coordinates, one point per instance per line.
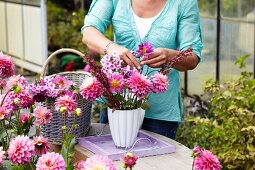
(2, 156)
(206, 160)
(116, 83)
(91, 88)
(41, 145)
(42, 116)
(7, 67)
(98, 162)
(21, 150)
(139, 85)
(16, 80)
(62, 82)
(51, 161)
(4, 112)
(79, 165)
(68, 100)
(159, 83)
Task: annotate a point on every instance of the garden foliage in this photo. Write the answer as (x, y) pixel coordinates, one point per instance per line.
(228, 127)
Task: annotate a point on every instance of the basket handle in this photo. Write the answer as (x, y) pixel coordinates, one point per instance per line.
(63, 50)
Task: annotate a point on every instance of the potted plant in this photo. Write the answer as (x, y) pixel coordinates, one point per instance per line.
(125, 91)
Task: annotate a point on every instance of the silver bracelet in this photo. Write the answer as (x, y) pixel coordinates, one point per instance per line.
(107, 46)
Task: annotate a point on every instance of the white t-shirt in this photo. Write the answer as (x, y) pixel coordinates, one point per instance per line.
(143, 25)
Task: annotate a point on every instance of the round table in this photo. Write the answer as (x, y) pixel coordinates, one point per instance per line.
(180, 160)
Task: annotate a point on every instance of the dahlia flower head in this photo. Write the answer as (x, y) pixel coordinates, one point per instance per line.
(91, 88)
(43, 88)
(16, 80)
(68, 100)
(204, 159)
(7, 67)
(62, 82)
(4, 112)
(24, 117)
(160, 83)
(2, 156)
(98, 162)
(42, 145)
(21, 150)
(116, 82)
(144, 50)
(139, 84)
(42, 116)
(129, 160)
(51, 161)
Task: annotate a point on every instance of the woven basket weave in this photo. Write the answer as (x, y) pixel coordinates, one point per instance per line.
(52, 130)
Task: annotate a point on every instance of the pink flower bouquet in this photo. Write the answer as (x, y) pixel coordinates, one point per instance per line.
(123, 87)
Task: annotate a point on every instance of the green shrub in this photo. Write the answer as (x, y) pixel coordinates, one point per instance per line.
(228, 128)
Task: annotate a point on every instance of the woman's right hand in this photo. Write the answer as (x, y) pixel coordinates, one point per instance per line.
(125, 55)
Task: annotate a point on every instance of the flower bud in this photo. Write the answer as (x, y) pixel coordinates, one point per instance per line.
(16, 101)
(78, 111)
(17, 89)
(63, 109)
(64, 128)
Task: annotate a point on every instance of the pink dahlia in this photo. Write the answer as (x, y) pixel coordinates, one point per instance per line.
(68, 100)
(16, 80)
(62, 82)
(42, 116)
(139, 85)
(116, 83)
(91, 88)
(98, 162)
(2, 156)
(79, 165)
(21, 150)
(144, 50)
(129, 160)
(197, 151)
(111, 64)
(4, 112)
(206, 160)
(41, 145)
(159, 83)
(24, 118)
(51, 161)
(7, 67)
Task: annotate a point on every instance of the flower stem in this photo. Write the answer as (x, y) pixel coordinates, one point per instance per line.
(4, 97)
(8, 137)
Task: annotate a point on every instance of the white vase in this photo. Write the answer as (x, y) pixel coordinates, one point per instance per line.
(124, 126)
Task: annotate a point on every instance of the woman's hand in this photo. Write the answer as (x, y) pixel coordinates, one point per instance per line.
(159, 57)
(124, 54)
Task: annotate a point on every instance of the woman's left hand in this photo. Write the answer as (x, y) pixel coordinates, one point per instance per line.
(159, 57)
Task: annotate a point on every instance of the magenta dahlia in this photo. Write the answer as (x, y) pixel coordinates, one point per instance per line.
(21, 150)
(98, 162)
(206, 160)
(129, 160)
(144, 50)
(91, 88)
(159, 83)
(51, 161)
(42, 116)
(139, 85)
(2, 156)
(41, 145)
(7, 67)
(68, 100)
(24, 117)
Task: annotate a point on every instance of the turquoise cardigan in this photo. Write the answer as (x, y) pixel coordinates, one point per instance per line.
(178, 26)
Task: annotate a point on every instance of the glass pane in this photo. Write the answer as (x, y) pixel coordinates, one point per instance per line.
(207, 68)
(207, 7)
(239, 9)
(236, 39)
(32, 2)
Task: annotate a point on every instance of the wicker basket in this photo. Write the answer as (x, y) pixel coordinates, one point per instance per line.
(52, 130)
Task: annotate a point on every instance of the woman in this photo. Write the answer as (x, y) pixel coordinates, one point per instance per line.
(168, 25)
